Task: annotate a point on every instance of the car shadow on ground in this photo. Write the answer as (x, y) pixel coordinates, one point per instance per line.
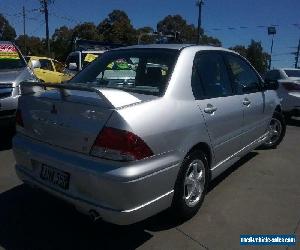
(31, 219)
(6, 135)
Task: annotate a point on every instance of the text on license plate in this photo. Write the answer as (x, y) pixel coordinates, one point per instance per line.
(55, 176)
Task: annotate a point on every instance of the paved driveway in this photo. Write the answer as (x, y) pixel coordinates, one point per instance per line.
(260, 194)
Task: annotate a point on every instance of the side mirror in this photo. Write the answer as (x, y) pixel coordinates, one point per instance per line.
(271, 84)
(72, 66)
(35, 64)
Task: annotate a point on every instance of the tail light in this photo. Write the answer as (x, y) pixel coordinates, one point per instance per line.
(19, 119)
(120, 145)
(290, 86)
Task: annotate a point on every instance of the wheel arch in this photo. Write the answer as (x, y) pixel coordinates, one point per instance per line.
(205, 148)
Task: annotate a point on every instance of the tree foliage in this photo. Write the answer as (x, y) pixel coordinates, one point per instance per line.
(255, 55)
(143, 35)
(34, 45)
(7, 32)
(86, 31)
(183, 32)
(117, 28)
(62, 42)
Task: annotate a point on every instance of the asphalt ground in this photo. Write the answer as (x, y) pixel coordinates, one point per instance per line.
(258, 195)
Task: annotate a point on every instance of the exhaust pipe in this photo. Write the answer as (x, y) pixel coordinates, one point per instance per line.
(94, 215)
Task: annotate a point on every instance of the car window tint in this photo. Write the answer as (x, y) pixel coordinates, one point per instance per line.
(210, 77)
(46, 64)
(244, 77)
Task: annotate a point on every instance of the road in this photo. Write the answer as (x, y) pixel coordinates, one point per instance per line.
(258, 195)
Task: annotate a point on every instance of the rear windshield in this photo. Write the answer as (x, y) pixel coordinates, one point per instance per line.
(10, 57)
(292, 73)
(145, 71)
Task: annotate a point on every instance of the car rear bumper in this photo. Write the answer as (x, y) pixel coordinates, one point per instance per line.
(291, 103)
(123, 193)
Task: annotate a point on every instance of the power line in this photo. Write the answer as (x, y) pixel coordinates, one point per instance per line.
(297, 25)
(65, 18)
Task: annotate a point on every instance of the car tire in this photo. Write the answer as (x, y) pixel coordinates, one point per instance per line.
(193, 177)
(277, 128)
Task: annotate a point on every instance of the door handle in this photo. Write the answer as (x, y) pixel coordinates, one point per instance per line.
(210, 109)
(246, 102)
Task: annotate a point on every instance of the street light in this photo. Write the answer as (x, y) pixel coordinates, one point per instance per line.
(199, 3)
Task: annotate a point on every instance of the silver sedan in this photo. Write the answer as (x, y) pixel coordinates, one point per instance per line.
(123, 149)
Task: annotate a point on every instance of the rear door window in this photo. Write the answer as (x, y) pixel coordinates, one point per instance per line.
(245, 79)
(210, 77)
(46, 64)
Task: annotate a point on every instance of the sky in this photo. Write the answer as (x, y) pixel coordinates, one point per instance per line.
(233, 22)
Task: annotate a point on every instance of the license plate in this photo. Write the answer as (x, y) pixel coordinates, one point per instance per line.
(55, 176)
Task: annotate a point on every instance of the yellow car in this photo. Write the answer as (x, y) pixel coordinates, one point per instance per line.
(47, 69)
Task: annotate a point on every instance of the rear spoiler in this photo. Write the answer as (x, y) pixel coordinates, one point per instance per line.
(29, 88)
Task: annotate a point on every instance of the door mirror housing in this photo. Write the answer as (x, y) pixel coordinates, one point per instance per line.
(271, 84)
(72, 66)
(35, 64)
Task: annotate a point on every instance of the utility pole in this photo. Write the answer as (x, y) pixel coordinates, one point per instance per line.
(24, 30)
(297, 55)
(199, 4)
(45, 10)
(270, 60)
(271, 31)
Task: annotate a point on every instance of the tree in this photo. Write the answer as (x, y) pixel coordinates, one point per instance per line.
(143, 35)
(178, 27)
(62, 42)
(86, 31)
(242, 50)
(183, 32)
(7, 32)
(117, 28)
(34, 45)
(255, 55)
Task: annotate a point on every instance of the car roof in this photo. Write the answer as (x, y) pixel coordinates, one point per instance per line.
(174, 47)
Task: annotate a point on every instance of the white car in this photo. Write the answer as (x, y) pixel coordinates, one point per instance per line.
(289, 89)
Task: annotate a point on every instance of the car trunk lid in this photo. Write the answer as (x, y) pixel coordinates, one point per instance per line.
(69, 117)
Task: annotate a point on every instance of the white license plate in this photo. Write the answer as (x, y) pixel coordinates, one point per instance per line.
(55, 176)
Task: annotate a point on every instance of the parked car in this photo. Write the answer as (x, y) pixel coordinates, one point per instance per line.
(85, 52)
(124, 152)
(289, 89)
(78, 60)
(13, 70)
(47, 69)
